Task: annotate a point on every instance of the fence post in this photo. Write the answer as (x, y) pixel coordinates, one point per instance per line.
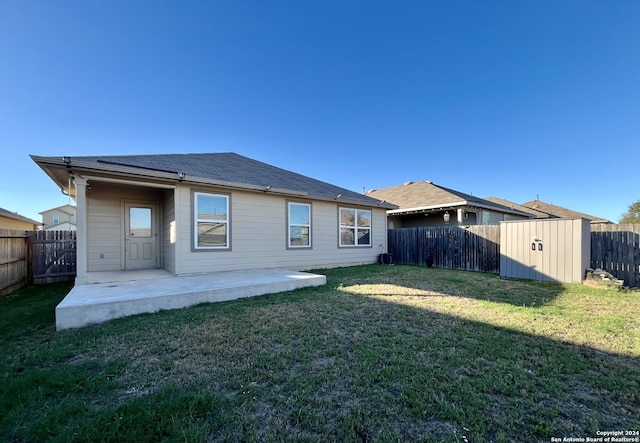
(29, 241)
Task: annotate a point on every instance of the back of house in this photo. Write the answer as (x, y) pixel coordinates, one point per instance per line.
(199, 213)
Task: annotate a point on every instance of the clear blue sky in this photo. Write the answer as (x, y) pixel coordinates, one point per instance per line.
(512, 99)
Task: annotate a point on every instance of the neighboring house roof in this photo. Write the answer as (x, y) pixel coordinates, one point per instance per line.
(64, 226)
(560, 212)
(425, 195)
(227, 169)
(15, 216)
(521, 208)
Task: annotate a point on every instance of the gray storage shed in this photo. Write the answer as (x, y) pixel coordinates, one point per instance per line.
(555, 249)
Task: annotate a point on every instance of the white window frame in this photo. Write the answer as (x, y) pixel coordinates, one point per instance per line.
(55, 219)
(355, 228)
(290, 224)
(197, 220)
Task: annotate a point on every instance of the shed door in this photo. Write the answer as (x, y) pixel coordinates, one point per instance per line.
(140, 236)
(536, 249)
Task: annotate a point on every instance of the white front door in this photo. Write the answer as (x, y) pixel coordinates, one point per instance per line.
(140, 236)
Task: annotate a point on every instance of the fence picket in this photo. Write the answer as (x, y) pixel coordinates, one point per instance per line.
(13, 260)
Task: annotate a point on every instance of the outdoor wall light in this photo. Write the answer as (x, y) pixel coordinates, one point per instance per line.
(446, 217)
(181, 176)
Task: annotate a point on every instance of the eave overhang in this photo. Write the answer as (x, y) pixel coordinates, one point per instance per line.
(61, 169)
(463, 204)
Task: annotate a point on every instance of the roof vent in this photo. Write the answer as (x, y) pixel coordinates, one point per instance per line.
(428, 181)
(408, 183)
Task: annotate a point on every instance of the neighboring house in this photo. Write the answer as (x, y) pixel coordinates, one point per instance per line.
(559, 212)
(17, 222)
(521, 208)
(62, 218)
(424, 203)
(540, 209)
(199, 213)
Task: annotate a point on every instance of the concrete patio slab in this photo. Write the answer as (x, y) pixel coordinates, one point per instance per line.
(120, 294)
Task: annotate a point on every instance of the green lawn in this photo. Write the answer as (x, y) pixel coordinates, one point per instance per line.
(381, 353)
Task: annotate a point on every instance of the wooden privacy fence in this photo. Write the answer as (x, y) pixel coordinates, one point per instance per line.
(614, 248)
(14, 260)
(35, 257)
(473, 248)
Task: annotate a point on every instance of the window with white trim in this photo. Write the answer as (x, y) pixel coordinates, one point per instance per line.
(355, 227)
(56, 219)
(299, 216)
(211, 221)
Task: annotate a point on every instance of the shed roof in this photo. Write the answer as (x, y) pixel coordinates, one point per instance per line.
(224, 169)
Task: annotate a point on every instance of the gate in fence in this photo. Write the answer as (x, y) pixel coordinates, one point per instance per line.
(54, 256)
(35, 257)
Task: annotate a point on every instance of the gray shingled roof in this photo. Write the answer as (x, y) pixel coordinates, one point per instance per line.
(425, 194)
(510, 204)
(225, 167)
(560, 212)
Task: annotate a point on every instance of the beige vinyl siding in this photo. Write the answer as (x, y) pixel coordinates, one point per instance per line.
(491, 217)
(47, 217)
(104, 223)
(258, 232)
(103, 233)
(494, 218)
(66, 217)
(9, 223)
(258, 229)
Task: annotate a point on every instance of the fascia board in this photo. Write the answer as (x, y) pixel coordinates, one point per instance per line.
(352, 201)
